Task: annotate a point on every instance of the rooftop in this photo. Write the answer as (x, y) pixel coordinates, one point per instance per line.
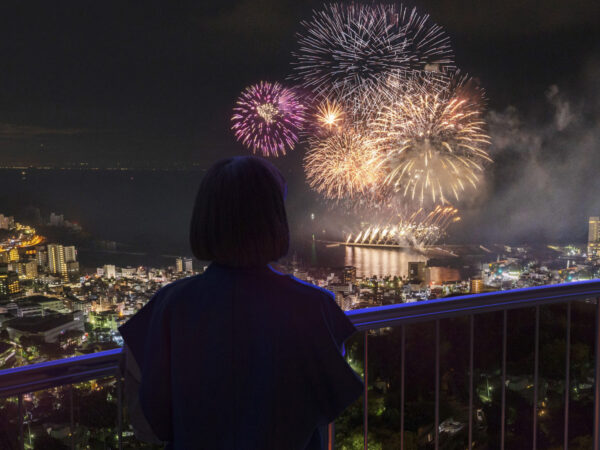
(39, 324)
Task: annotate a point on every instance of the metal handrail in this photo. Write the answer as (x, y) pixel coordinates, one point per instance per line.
(443, 308)
(44, 375)
(35, 377)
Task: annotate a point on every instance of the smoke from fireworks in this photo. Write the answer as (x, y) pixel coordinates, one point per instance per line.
(268, 118)
(431, 141)
(349, 47)
(340, 166)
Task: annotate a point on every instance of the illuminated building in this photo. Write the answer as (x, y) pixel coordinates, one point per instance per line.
(128, 272)
(4, 257)
(110, 271)
(188, 265)
(73, 269)
(9, 284)
(476, 285)
(440, 275)
(42, 256)
(27, 269)
(56, 260)
(179, 265)
(416, 271)
(594, 237)
(6, 222)
(13, 255)
(349, 275)
(70, 254)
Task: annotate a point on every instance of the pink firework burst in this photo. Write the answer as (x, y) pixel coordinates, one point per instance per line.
(268, 118)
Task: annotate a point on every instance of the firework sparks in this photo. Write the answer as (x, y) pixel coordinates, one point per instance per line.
(431, 140)
(341, 166)
(418, 228)
(268, 118)
(349, 47)
(329, 114)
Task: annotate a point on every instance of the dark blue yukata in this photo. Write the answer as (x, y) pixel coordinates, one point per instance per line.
(242, 358)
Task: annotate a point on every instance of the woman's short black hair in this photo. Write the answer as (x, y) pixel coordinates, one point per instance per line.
(239, 217)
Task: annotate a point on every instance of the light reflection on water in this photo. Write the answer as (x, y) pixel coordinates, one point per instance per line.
(367, 260)
(381, 261)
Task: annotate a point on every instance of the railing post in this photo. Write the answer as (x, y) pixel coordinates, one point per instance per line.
(503, 387)
(597, 379)
(402, 368)
(72, 419)
(120, 409)
(536, 375)
(567, 377)
(20, 423)
(471, 348)
(366, 393)
(437, 384)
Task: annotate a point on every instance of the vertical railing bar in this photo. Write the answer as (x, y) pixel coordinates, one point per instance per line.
(20, 423)
(567, 377)
(503, 388)
(72, 419)
(366, 394)
(471, 347)
(402, 371)
(120, 409)
(437, 384)
(330, 436)
(536, 374)
(597, 380)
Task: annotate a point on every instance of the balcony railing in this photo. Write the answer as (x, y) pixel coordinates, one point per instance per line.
(391, 325)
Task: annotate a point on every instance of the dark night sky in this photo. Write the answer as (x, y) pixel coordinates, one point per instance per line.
(102, 81)
(155, 81)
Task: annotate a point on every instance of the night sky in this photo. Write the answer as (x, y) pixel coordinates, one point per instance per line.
(154, 82)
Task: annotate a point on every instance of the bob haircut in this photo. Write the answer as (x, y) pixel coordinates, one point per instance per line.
(239, 216)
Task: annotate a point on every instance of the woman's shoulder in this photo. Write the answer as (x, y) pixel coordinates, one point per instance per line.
(305, 288)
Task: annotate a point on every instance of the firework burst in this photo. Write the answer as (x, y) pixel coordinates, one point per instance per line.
(349, 47)
(341, 166)
(431, 141)
(418, 228)
(330, 114)
(268, 118)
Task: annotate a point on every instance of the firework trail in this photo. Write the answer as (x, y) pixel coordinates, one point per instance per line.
(348, 48)
(430, 140)
(268, 118)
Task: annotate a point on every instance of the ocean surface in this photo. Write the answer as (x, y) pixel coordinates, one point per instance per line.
(147, 213)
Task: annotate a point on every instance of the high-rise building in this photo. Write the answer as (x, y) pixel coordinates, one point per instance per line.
(42, 257)
(349, 274)
(73, 269)
(6, 222)
(110, 271)
(188, 265)
(594, 237)
(179, 265)
(70, 254)
(27, 269)
(56, 260)
(57, 220)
